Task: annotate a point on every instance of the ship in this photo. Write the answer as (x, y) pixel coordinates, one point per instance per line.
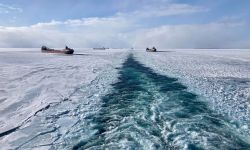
(66, 50)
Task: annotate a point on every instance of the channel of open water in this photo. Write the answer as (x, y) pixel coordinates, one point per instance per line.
(147, 110)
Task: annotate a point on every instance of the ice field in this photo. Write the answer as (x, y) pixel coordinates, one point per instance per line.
(125, 99)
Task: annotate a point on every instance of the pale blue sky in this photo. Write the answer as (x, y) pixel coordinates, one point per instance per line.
(128, 21)
(46, 10)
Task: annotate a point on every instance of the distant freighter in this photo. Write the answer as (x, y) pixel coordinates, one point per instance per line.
(100, 48)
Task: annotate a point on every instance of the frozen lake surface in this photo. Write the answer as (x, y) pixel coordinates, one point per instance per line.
(125, 99)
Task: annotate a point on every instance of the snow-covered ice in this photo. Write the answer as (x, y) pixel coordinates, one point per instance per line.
(43, 97)
(31, 81)
(222, 76)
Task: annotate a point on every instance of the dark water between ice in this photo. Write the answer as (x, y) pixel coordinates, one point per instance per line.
(150, 111)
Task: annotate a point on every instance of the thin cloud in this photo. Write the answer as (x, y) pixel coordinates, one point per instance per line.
(165, 10)
(170, 10)
(5, 9)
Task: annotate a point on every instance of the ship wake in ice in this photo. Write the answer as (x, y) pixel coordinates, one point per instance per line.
(150, 111)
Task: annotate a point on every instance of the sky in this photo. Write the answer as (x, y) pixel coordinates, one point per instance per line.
(125, 23)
